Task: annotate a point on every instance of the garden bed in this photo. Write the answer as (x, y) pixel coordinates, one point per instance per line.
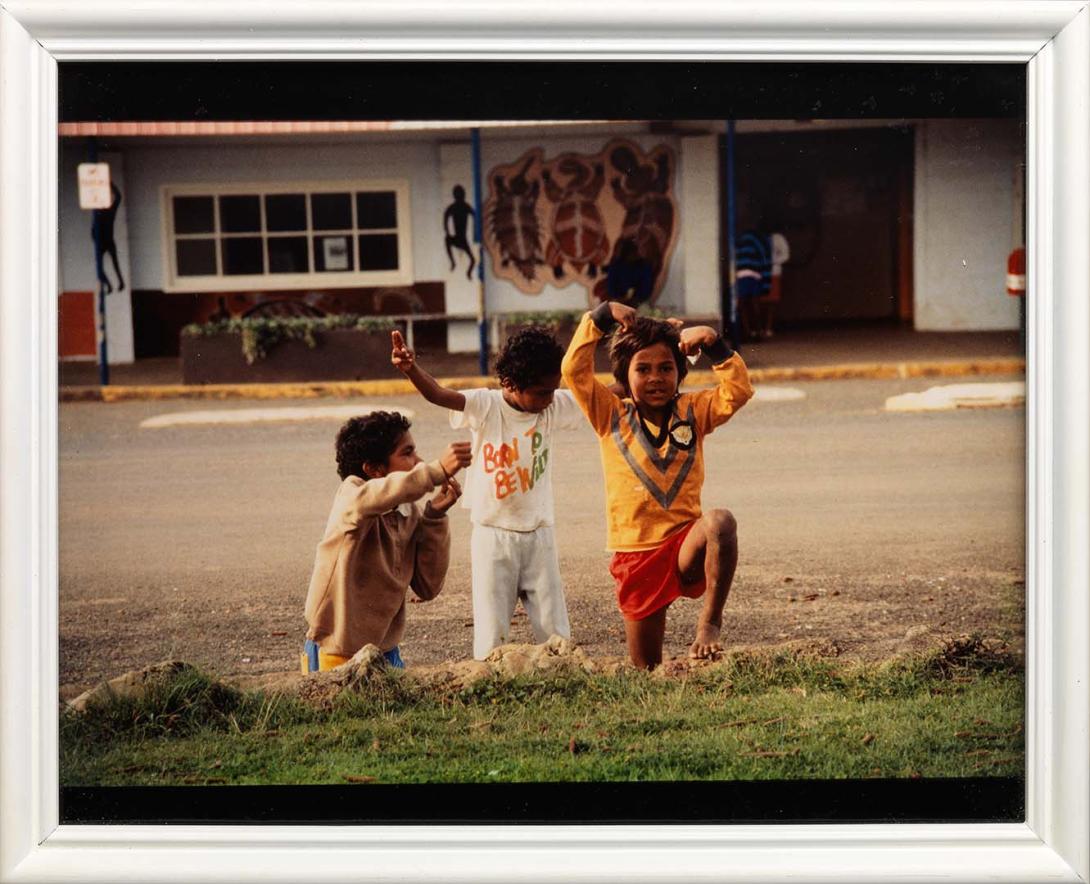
(282, 350)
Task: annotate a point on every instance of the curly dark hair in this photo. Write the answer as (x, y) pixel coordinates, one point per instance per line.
(371, 438)
(644, 332)
(529, 357)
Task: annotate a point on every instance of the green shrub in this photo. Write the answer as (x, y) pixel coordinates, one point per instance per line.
(550, 319)
(556, 319)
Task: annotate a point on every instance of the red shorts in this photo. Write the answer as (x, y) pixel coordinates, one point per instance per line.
(648, 580)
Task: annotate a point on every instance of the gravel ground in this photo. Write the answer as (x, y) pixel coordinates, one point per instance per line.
(880, 533)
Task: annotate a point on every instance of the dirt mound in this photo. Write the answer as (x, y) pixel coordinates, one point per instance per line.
(135, 684)
(556, 657)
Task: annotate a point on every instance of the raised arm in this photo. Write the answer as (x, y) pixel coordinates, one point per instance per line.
(405, 361)
(715, 406)
(433, 539)
(373, 497)
(432, 554)
(381, 494)
(595, 399)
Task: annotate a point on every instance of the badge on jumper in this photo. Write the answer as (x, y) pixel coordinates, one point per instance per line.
(682, 435)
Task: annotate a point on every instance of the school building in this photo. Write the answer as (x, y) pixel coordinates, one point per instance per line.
(905, 221)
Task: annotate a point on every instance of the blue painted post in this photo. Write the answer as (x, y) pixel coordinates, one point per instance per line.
(729, 310)
(478, 238)
(103, 361)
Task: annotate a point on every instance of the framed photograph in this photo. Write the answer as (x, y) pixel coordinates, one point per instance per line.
(1050, 38)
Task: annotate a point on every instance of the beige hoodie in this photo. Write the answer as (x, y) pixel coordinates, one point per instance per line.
(370, 554)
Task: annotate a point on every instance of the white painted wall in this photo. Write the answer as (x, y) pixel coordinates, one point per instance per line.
(77, 251)
(964, 223)
(462, 294)
(700, 193)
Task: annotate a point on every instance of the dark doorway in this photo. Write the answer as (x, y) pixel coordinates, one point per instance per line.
(843, 200)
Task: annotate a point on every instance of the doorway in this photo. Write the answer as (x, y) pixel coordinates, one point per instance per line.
(843, 201)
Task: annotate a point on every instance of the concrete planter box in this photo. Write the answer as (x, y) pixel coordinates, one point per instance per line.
(340, 355)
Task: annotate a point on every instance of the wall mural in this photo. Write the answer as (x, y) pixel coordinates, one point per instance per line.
(455, 224)
(105, 242)
(554, 222)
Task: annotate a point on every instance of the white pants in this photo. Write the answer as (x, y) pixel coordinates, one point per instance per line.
(505, 565)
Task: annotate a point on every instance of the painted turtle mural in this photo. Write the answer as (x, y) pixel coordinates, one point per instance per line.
(553, 222)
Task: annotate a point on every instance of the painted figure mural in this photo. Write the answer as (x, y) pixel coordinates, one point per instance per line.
(104, 220)
(455, 224)
(512, 218)
(554, 222)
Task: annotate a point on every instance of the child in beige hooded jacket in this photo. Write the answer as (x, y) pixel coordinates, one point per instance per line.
(378, 542)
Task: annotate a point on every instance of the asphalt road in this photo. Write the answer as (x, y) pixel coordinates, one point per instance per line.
(197, 541)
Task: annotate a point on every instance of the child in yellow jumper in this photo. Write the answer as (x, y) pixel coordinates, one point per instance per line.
(664, 546)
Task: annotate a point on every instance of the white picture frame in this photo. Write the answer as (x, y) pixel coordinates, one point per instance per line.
(1051, 36)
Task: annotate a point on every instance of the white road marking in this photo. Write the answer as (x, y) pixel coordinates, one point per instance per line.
(777, 394)
(953, 396)
(263, 415)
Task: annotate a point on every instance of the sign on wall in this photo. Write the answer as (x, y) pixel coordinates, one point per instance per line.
(606, 221)
(94, 185)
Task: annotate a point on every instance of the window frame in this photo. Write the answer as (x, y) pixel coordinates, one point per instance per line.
(174, 283)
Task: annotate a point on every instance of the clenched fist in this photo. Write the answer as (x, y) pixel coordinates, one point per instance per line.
(449, 492)
(457, 456)
(623, 314)
(694, 339)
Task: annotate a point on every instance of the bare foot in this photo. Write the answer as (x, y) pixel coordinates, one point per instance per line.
(706, 646)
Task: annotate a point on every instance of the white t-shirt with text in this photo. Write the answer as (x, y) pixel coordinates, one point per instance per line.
(509, 484)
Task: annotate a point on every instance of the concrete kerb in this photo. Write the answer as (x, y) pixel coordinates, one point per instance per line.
(401, 387)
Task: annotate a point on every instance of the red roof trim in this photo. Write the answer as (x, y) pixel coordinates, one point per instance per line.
(298, 127)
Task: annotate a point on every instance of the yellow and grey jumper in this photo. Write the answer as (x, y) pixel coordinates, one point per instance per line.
(651, 490)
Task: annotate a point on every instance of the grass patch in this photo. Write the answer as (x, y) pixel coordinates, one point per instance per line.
(955, 712)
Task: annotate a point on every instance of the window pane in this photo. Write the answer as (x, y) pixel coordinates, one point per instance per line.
(288, 254)
(333, 253)
(240, 214)
(378, 251)
(286, 211)
(193, 214)
(242, 255)
(196, 257)
(376, 210)
(331, 211)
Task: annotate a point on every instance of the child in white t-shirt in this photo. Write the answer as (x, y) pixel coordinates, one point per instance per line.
(508, 487)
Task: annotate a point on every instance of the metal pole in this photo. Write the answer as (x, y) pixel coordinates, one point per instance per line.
(729, 310)
(482, 307)
(103, 361)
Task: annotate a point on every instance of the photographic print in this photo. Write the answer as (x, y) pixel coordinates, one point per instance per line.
(684, 809)
(393, 461)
